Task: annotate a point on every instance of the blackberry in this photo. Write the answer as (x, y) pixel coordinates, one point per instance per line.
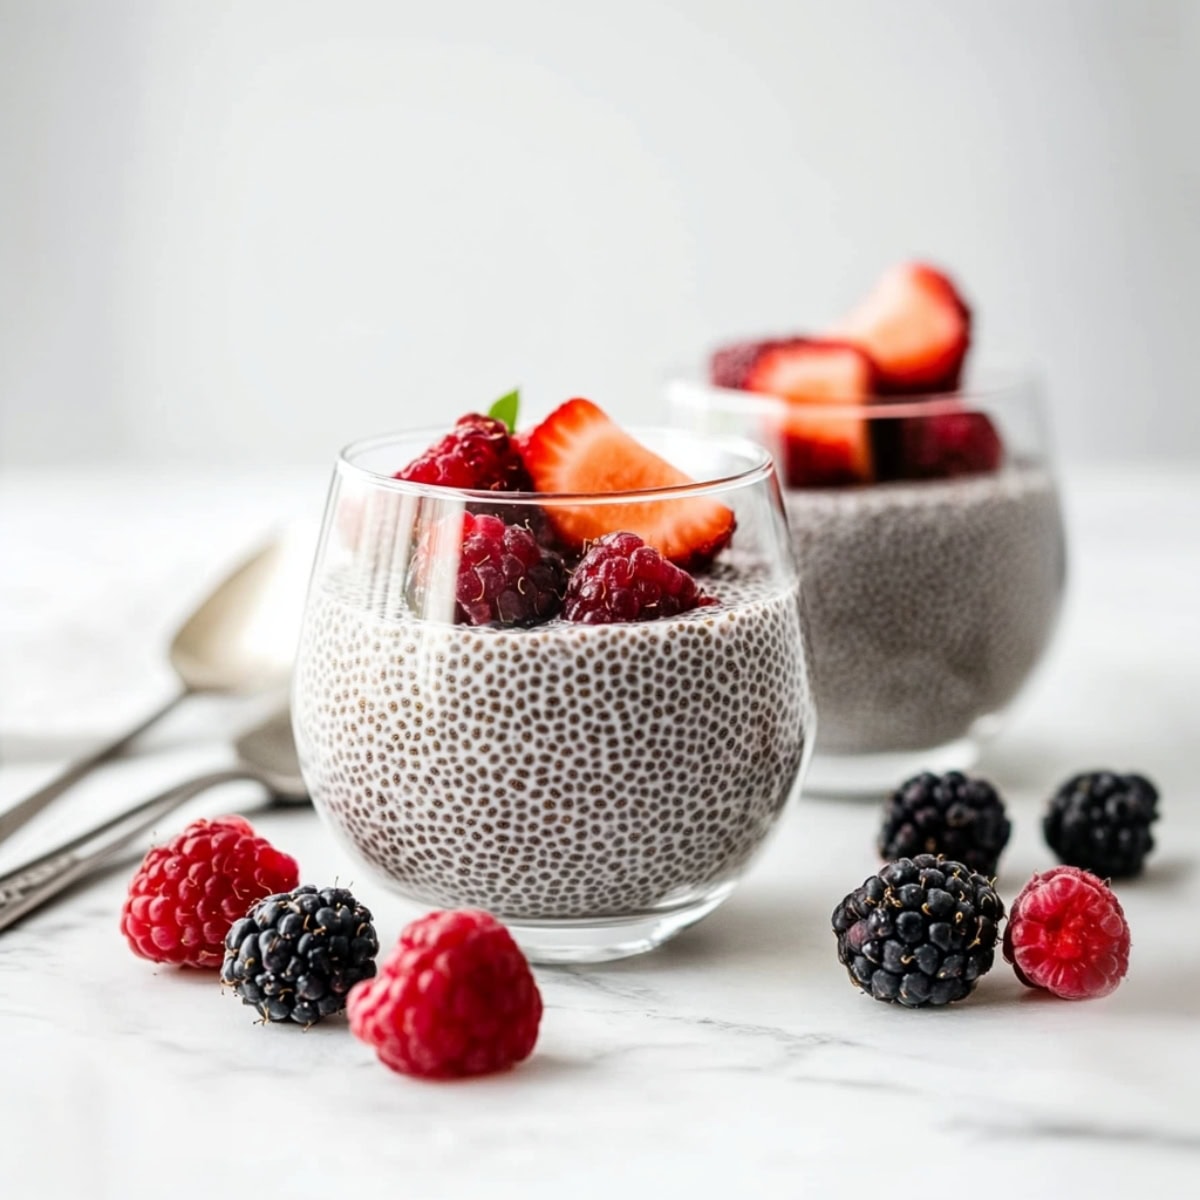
(1100, 821)
(961, 818)
(919, 933)
(295, 955)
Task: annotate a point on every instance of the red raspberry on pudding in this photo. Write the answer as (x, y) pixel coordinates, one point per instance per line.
(477, 454)
(622, 579)
(497, 573)
(455, 998)
(946, 445)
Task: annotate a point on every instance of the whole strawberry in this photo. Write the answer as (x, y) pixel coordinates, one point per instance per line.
(187, 894)
(456, 997)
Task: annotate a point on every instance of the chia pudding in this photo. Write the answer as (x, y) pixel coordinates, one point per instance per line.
(928, 603)
(564, 771)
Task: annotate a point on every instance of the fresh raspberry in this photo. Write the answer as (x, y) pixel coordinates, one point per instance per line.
(1066, 933)
(502, 576)
(477, 454)
(622, 579)
(948, 445)
(456, 997)
(187, 894)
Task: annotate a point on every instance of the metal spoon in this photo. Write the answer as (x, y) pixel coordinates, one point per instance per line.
(266, 755)
(241, 639)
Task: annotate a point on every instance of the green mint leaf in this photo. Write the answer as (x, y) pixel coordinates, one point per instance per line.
(505, 409)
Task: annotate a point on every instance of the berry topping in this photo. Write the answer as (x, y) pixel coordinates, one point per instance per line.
(477, 454)
(620, 578)
(295, 955)
(1067, 934)
(1100, 821)
(949, 444)
(820, 449)
(456, 997)
(486, 572)
(919, 933)
(806, 370)
(577, 448)
(916, 328)
(185, 896)
(961, 818)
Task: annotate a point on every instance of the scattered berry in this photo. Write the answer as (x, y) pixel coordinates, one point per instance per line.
(961, 818)
(1100, 821)
(295, 955)
(1068, 935)
(916, 328)
(948, 444)
(186, 895)
(919, 933)
(501, 575)
(456, 997)
(820, 449)
(622, 579)
(477, 454)
(578, 449)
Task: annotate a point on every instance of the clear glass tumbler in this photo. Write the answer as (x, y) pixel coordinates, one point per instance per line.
(932, 591)
(597, 787)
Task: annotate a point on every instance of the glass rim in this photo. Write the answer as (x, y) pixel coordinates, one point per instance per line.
(992, 388)
(761, 467)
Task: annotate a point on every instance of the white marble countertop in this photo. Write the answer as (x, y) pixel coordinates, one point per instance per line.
(736, 1060)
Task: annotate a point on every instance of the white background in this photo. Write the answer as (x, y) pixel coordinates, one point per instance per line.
(251, 232)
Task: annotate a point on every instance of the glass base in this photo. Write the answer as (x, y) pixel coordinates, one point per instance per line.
(603, 939)
(870, 776)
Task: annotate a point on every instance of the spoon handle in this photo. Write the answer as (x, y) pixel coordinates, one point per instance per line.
(39, 880)
(28, 808)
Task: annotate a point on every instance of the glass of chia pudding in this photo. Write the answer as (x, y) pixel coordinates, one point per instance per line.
(925, 520)
(559, 675)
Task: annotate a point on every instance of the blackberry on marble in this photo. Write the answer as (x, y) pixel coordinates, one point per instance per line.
(919, 933)
(296, 954)
(961, 818)
(1100, 821)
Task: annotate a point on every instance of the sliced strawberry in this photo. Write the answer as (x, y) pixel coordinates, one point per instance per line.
(577, 448)
(820, 449)
(915, 326)
(949, 444)
(823, 451)
(809, 371)
(730, 365)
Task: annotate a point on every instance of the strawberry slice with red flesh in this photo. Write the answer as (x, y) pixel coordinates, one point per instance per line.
(916, 327)
(579, 449)
(820, 449)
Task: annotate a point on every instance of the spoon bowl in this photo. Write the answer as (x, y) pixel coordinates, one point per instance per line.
(243, 635)
(241, 638)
